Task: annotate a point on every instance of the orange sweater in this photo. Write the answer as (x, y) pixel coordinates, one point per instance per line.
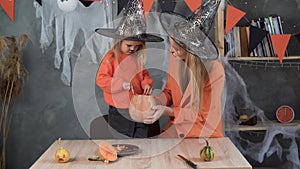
(187, 121)
(110, 78)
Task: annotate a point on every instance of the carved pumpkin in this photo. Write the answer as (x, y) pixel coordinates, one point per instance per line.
(207, 153)
(107, 152)
(62, 155)
(141, 106)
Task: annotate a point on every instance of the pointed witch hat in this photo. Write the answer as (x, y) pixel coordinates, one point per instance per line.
(192, 33)
(132, 25)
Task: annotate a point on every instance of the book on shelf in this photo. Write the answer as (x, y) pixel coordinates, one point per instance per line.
(237, 40)
(244, 41)
(269, 29)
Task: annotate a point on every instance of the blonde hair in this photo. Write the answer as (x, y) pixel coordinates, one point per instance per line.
(197, 71)
(198, 76)
(140, 54)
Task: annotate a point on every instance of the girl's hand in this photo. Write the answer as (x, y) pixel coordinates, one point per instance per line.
(148, 89)
(128, 86)
(158, 112)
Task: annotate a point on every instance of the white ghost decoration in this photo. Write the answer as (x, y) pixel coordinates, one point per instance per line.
(67, 5)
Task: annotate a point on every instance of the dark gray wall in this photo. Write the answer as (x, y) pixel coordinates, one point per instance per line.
(46, 110)
(270, 87)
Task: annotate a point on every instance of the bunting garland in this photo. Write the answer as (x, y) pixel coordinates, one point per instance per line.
(256, 36)
(147, 6)
(39, 1)
(280, 43)
(8, 6)
(166, 5)
(233, 15)
(121, 5)
(297, 36)
(86, 3)
(193, 4)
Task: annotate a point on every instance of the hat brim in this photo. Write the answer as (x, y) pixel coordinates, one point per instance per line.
(189, 37)
(143, 37)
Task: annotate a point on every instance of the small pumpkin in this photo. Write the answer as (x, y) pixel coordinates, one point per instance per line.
(62, 155)
(207, 153)
(107, 152)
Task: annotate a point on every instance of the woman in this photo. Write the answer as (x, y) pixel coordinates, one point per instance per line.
(195, 81)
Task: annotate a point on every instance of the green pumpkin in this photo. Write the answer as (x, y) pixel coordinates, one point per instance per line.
(207, 153)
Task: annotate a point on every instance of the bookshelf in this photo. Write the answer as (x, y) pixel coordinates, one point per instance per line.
(295, 55)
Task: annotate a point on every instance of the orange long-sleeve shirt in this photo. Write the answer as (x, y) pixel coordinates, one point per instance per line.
(110, 78)
(188, 121)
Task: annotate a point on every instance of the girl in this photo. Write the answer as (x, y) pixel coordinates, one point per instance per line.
(120, 75)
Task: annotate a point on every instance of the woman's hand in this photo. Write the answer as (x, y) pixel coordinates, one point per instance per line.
(158, 112)
(148, 89)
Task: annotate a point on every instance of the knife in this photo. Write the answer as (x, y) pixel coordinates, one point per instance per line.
(189, 162)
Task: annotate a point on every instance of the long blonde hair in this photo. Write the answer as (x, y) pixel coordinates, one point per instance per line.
(198, 76)
(193, 70)
(140, 54)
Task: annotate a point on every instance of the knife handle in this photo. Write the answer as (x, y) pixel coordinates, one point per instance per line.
(191, 164)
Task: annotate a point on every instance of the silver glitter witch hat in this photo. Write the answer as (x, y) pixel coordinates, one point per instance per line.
(192, 33)
(132, 25)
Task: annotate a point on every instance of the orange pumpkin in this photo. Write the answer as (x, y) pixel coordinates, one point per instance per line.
(107, 152)
(141, 106)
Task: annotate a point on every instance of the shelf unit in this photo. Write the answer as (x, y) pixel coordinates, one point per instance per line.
(263, 58)
(261, 126)
(219, 40)
(219, 30)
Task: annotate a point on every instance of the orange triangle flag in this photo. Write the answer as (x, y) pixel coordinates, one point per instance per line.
(280, 43)
(8, 6)
(193, 4)
(233, 15)
(147, 6)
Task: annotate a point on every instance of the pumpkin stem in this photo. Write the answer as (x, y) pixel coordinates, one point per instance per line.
(206, 140)
(59, 141)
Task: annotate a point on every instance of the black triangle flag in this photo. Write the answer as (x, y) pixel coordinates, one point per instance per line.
(256, 36)
(297, 36)
(84, 2)
(39, 1)
(121, 5)
(167, 5)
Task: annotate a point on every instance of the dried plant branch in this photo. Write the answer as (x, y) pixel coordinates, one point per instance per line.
(12, 75)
